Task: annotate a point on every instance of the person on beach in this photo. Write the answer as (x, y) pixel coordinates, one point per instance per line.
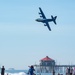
(31, 70)
(74, 71)
(2, 70)
(69, 71)
(53, 72)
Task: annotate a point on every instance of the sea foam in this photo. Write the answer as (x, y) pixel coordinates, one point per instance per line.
(20, 73)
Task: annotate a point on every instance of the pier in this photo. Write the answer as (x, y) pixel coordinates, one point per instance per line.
(48, 65)
(55, 66)
(53, 69)
(64, 66)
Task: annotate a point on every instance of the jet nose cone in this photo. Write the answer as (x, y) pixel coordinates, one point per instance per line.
(36, 20)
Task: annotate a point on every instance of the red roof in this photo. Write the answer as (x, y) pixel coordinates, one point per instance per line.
(46, 59)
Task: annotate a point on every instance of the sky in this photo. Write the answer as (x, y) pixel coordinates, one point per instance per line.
(23, 41)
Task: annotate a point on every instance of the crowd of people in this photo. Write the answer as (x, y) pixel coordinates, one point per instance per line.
(70, 71)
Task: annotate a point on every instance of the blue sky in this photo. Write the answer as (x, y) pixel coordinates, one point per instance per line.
(23, 41)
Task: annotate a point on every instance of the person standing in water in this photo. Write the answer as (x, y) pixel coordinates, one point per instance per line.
(2, 70)
(31, 70)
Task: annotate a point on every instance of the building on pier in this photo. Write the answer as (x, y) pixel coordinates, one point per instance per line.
(46, 65)
(47, 61)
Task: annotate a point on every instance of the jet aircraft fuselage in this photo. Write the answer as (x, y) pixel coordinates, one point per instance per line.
(44, 20)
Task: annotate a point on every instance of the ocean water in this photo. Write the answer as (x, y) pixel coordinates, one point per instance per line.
(20, 73)
(15, 72)
(24, 72)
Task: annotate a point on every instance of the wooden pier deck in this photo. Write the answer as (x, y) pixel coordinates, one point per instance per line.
(55, 66)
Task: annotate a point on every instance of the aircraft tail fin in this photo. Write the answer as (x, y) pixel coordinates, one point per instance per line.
(54, 19)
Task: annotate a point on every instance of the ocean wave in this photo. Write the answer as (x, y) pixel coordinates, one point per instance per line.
(20, 73)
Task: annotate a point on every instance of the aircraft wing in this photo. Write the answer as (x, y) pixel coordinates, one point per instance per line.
(42, 14)
(47, 24)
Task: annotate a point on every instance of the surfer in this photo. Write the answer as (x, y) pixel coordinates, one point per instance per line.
(31, 70)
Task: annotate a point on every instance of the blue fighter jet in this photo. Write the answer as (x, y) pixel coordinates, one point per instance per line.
(44, 20)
